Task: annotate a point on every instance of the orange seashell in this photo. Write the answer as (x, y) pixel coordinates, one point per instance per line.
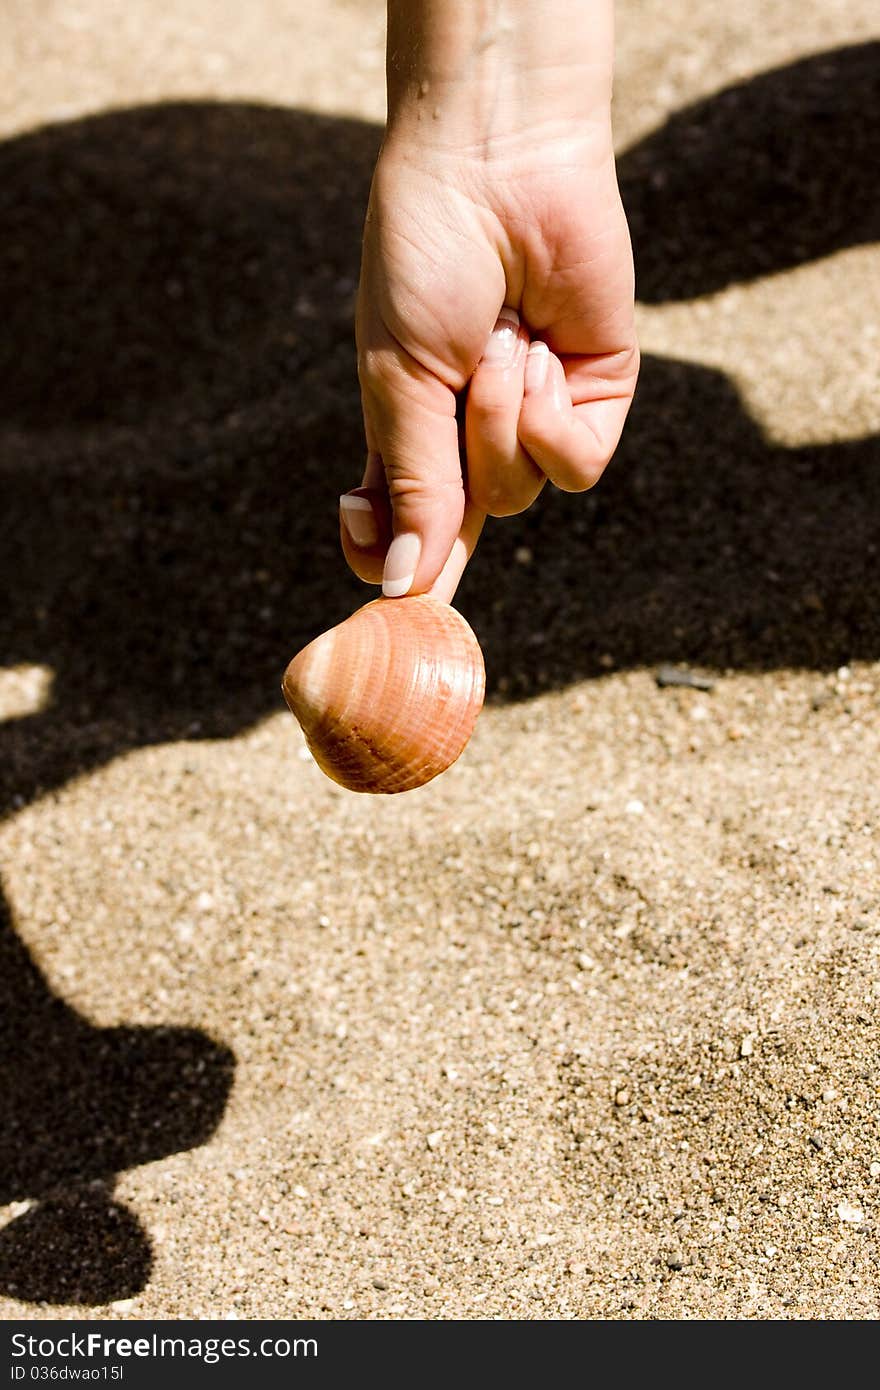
(389, 698)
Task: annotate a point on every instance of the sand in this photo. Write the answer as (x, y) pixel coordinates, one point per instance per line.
(588, 1027)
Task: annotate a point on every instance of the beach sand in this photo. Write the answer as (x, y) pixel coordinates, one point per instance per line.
(588, 1027)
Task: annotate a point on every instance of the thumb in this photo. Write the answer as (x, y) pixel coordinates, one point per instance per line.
(409, 416)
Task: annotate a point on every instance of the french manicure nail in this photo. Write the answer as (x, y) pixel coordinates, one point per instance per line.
(359, 520)
(503, 340)
(400, 564)
(537, 363)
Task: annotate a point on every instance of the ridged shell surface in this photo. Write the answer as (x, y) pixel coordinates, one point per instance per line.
(389, 698)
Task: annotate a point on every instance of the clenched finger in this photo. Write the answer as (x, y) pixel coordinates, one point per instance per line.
(502, 479)
(571, 440)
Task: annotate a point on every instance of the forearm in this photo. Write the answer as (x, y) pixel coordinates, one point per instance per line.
(487, 68)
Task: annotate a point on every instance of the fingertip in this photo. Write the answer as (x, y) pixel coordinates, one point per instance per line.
(448, 579)
(358, 518)
(401, 564)
(427, 515)
(365, 531)
(502, 479)
(537, 367)
(505, 342)
(571, 444)
(413, 433)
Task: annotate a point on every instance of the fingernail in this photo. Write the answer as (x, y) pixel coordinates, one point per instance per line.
(358, 519)
(400, 564)
(501, 347)
(537, 362)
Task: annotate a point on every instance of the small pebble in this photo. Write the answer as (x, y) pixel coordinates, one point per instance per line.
(691, 680)
(847, 1211)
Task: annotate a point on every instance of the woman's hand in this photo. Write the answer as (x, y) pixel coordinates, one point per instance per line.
(496, 261)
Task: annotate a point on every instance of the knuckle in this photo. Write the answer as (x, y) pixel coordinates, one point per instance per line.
(379, 371)
(495, 499)
(634, 361)
(489, 413)
(408, 487)
(508, 506)
(578, 473)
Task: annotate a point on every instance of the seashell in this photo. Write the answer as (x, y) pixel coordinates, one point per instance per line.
(389, 698)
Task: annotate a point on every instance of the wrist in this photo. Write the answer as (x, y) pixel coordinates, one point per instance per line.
(468, 73)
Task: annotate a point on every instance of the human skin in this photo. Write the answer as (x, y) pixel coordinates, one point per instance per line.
(496, 276)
